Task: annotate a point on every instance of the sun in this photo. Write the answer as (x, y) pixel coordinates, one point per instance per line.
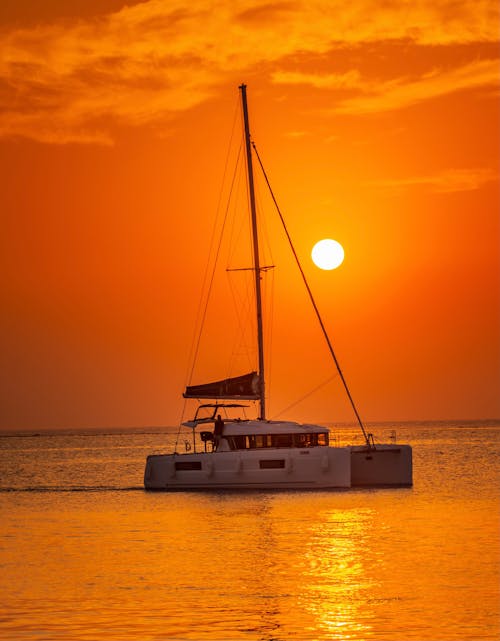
(327, 254)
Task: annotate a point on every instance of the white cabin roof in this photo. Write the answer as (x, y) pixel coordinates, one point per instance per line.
(236, 428)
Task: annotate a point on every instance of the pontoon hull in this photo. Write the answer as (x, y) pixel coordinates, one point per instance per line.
(385, 466)
(312, 468)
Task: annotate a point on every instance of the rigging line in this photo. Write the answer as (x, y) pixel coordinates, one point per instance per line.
(243, 307)
(217, 254)
(270, 285)
(237, 228)
(311, 297)
(303, 398)
(199, 317)
(267, 283)
(198, 322)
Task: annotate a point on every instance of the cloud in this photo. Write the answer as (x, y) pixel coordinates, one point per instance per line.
(72, 80)
(378, 95)
(296, 134)
(399, 93)
(348, 80)
(451, 180)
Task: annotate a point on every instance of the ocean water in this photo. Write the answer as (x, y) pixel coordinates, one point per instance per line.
(87, 554)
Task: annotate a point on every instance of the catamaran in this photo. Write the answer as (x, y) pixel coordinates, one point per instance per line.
(238, 453)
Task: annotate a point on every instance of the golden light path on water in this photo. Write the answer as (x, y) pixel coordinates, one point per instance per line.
(337, 580)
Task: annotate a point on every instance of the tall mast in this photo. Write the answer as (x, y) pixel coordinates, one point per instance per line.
(256, 258)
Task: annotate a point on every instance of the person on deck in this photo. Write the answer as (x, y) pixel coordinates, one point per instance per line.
(218, 430)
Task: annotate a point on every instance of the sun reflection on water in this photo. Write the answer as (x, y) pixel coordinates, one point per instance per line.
(337, 586)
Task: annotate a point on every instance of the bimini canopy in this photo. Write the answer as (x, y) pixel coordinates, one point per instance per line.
(244, 387)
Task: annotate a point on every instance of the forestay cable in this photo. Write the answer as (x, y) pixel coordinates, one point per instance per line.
(318, 315)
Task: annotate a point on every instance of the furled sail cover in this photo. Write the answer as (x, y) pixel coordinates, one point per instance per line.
(244, 387)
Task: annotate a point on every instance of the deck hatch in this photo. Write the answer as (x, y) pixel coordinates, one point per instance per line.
(272, 463)
(187, 465)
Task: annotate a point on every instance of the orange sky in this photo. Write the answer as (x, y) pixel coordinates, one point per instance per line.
(378, 124)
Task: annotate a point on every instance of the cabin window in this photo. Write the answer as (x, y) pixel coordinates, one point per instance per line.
(304, 440)
(237, 442)
(259, 441)
(282, 440)
(310, 440)
(272, 463)
(188, 465)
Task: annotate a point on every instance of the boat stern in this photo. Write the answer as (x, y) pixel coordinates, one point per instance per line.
(386, 465)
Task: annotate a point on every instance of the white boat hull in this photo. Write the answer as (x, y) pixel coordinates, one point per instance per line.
(311, 468)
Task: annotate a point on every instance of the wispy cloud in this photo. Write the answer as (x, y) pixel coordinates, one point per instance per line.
(402, 92)
(348, 80)
(67, 81)
(451, 180)
(378, 95)
(296, 134)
